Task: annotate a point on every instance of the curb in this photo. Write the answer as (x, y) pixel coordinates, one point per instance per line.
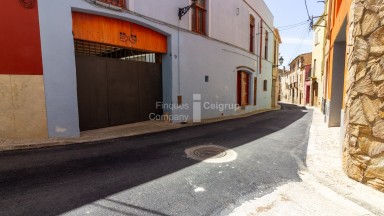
(56, 142)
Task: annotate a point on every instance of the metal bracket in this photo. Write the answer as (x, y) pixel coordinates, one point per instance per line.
(184, 10)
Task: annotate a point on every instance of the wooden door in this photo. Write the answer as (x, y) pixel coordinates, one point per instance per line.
(242, 88)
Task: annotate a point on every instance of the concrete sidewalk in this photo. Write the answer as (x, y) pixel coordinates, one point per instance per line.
(113, 132)
(325, 164)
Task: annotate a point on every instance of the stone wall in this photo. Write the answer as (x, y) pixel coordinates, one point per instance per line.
(363, 149)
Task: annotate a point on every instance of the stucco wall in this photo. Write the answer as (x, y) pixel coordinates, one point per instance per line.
(22, 102)
(363, 148)
(234, 14)
(190, 58)
(318, 55)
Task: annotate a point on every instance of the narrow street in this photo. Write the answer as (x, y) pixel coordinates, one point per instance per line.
(151, 175)
(192, 108)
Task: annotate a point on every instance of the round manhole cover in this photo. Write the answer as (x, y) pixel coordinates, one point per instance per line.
(211, 154)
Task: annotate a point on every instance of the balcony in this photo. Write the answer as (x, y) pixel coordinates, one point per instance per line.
(116, 3)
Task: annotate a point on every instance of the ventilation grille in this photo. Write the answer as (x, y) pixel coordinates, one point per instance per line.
(108, 51)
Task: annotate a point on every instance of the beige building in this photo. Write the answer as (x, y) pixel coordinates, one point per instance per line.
(284, 85)
(297, 80)
(277, 61)
(317, 76)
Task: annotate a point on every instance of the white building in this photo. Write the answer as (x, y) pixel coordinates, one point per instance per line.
(222, 51)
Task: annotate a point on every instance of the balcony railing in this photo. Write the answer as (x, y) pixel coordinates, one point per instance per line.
(117, 3)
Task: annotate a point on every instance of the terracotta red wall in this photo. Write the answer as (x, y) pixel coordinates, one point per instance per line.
(20, 48)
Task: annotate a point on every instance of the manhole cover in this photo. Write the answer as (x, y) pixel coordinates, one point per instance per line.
(211, 154)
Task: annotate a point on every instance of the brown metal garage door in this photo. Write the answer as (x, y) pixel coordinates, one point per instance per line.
(112, 91)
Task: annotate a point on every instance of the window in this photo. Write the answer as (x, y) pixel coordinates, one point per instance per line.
(198, 17)
(265, 87)
(266, 45)
(314, 67)
(252, 34)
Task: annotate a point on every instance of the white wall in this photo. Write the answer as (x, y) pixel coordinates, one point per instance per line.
(199, 56)
(222, 20)
(164, 10)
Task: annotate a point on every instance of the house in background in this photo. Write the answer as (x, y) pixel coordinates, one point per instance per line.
(307, 84)
(90, 64)
(297, 80)
(284, 85)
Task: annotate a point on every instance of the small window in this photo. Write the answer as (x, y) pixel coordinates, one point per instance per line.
(265, 87)
(252, 34)
(198, 17)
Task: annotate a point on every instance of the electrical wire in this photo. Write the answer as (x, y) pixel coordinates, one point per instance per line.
(297, 24)
(287, 28)
(298, 46)
(306, 7)
(284, 29)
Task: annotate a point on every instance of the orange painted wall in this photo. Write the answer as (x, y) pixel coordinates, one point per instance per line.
(107, 30)
(339, 13)
(20, 51)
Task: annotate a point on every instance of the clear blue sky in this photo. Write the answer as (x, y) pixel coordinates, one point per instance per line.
(297, 39)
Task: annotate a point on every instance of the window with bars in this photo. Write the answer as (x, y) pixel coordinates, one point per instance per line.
(199, 17)
(252, 34)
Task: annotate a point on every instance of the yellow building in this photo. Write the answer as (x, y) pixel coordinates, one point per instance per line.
(275, 71)
(317, 76)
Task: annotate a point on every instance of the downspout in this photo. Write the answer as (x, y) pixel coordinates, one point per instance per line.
(261, 45)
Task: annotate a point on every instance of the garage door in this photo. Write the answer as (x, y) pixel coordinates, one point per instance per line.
(116, 86)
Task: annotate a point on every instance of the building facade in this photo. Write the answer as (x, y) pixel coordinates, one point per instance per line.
(98, 63)
(275, 72)
(295, 84)
(356, 50)
(318, 53)
(284, 85)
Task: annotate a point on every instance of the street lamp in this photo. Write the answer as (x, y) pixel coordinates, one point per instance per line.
(281, 61)
(184, 10)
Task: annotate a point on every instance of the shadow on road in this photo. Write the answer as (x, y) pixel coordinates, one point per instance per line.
(56, 180)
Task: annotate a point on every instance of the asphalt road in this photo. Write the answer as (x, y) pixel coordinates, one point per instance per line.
(151, 175)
